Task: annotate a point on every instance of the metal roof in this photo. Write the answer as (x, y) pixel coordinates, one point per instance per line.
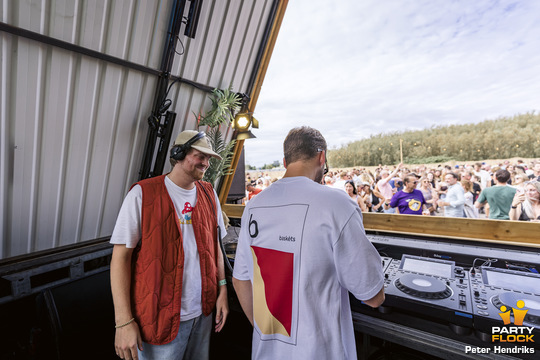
(77, 84)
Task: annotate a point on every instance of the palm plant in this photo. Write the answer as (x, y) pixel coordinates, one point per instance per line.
(225, 104)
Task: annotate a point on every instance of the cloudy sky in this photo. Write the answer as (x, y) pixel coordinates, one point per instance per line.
(357, 68)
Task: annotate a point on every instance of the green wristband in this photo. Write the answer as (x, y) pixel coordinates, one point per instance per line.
(222, 282)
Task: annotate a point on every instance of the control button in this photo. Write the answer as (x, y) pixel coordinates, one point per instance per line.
(476, 293)
(483, 307)
(485, 313)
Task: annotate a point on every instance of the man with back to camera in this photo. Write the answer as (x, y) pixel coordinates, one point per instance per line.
(302, 247)
(499, 197)
(409, 201)
(167, 270)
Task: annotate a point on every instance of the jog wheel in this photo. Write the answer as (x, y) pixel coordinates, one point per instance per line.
(422, 286)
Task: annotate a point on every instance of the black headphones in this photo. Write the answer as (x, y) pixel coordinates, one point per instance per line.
(179, 152)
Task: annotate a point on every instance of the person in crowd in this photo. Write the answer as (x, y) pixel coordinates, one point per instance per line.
(264, 182)
(485, 180)
(169, 222)
(429, 195)
(499, 197)
(366, 177)
(350, 189)
(252, 190)
(384, 187)
(536, 170)
(372, 198)
(409, 201)
(476, 188)
(470, 210)
(440, 192)
(311, 241)
(454, 200)
(438, 176)
(340, 181)
(519, 181)
(397, 184)
(329, 181)
(526, 204)
(431, 179)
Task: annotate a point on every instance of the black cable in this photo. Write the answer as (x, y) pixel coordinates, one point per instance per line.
(181, 43)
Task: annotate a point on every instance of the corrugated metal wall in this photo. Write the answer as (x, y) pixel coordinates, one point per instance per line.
(73, 128)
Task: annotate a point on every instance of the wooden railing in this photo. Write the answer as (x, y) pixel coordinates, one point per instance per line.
(500, 231)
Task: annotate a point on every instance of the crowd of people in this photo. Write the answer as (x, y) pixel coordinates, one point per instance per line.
(505, 191)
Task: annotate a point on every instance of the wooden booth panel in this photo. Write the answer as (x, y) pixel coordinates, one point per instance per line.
(500, 231)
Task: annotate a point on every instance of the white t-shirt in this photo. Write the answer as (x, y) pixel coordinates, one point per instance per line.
(340, 184)
(303, 246)
(484, 178)
(128, 231)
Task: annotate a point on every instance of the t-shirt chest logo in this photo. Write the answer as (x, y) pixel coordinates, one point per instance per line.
(414, 204)
(185, 218)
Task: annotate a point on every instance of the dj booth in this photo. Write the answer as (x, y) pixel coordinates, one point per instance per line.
(444, 298)
(455, 289)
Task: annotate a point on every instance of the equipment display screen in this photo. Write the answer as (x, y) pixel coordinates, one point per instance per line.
(513, 281)
(431, 267)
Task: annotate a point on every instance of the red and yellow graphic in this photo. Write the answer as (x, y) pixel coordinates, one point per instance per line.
(272, 290)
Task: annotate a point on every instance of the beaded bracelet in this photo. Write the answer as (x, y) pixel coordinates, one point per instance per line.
(125, 324)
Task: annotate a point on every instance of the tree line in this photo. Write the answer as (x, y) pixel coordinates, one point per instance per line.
(505, 137)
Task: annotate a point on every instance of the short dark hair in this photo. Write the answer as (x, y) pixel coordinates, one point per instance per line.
(410, 176)
(302, 143)
(453, 174)
(502, 175)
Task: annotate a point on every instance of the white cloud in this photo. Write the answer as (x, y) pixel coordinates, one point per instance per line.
(356, 68)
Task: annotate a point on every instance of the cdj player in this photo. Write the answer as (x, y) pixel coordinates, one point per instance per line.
(493, 288)
(432, 287)
(385, 261)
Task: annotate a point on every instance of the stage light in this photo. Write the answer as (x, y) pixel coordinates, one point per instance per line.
(242, 123)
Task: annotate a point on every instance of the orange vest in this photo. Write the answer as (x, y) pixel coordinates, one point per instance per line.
(158, 260)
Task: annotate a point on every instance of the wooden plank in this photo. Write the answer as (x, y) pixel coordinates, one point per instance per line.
(511, 232)
(233, 210)
(521, 233)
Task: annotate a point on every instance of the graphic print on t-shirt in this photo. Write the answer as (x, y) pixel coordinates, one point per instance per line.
(414, 204)
(275, 249)
(185, 218)
(273, 270)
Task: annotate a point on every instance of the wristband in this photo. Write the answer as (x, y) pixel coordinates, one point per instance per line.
(514, 207)
(222, 282)
(124, 324)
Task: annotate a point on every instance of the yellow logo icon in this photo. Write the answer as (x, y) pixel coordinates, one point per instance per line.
(519, 314)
